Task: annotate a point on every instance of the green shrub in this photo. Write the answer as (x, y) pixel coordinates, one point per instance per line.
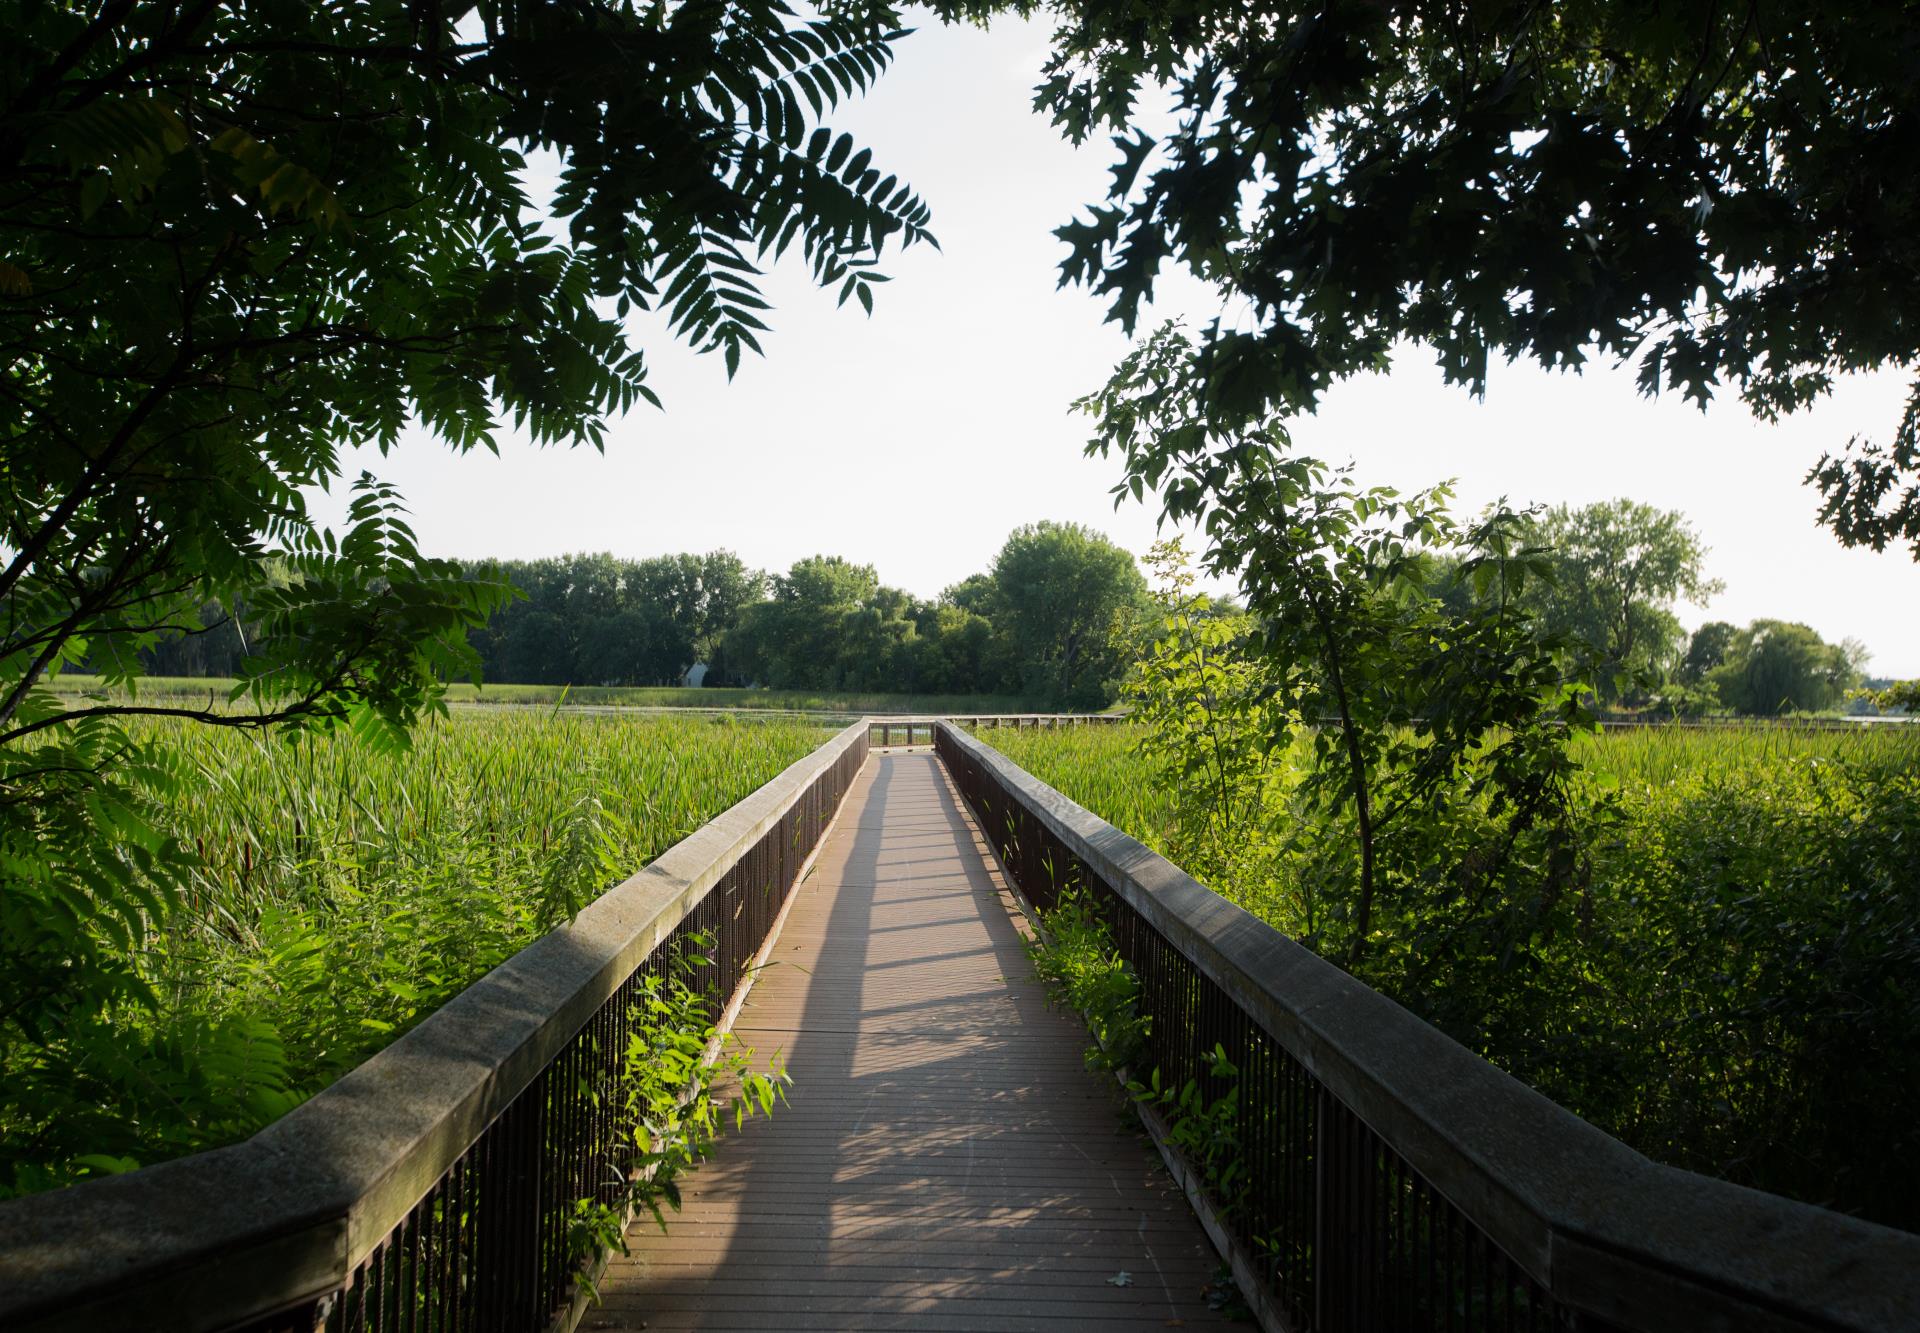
(672, 1102)
(1731, 985)
(1075, 957)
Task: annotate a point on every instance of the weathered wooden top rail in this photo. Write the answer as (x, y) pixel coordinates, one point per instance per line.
(1386, 1153)
(997, 719)
(452, 1159)
(909, 726)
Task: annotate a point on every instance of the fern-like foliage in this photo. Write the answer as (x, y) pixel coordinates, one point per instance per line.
(735, 127)
(238, 239)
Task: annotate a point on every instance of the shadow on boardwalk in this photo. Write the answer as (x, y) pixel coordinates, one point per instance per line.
(947, 1162)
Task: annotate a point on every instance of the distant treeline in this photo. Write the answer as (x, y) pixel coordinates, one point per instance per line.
(1040, 621)
(1037, 623)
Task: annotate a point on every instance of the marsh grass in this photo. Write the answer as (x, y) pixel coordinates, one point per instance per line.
(339, 894)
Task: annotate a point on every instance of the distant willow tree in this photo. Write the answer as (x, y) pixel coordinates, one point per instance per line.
(830, 624)
(601, 620)
(1618, 568)
(1779, 666)
(1038, 625)
(1707, 648)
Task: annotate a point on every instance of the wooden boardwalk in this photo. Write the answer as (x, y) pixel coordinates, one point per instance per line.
(947, 1162)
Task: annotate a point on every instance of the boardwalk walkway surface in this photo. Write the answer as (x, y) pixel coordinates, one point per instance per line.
(947, 1162)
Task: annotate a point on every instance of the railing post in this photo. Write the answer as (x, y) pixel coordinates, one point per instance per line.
(1321, 1269)
(507, 1262)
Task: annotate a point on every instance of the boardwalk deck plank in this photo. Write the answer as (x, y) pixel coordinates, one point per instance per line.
(947, 1161)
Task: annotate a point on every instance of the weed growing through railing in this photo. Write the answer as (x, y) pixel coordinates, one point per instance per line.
(680, 1077)
(1074, 955)
(1206, 1130)
(1081, 969)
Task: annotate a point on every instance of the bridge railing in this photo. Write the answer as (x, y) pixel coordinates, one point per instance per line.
(1392, 1179)
(432, 1187)
(905, 730)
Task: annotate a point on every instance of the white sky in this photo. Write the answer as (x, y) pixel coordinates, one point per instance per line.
(917, 439)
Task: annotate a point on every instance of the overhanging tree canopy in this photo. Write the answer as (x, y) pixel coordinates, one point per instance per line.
(236, 239)
(1723, 195)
